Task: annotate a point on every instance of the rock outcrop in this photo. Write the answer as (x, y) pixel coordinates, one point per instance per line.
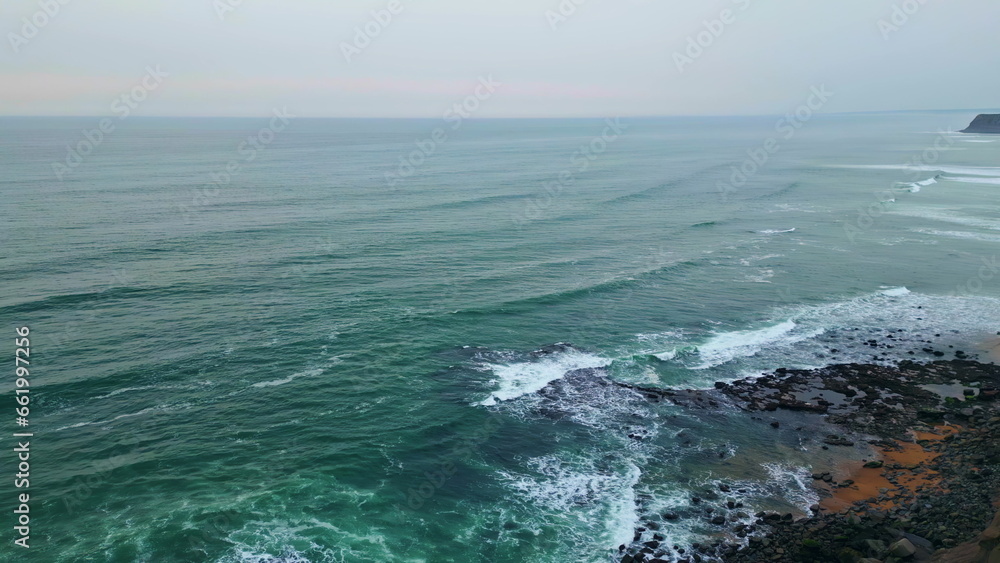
(932, 490)
(984, 123)
(984, 549)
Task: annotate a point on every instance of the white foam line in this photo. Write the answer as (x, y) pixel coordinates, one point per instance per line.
(805, 496)
(289, 379)
(624, 518)
(960, 234)
(666, 356)
(119, 417)
(517, 379)
(936, 216)
(727, 346)
(792, 341)
(973, 179)
(914, 187)
(142, 388)
(896, 292)
(989, 171)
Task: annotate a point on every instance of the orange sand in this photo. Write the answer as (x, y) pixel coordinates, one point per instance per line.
(869, 481)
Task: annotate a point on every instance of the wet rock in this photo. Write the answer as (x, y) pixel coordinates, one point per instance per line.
(834, 440)
(876, 547)
(883, 404)
(902, 549)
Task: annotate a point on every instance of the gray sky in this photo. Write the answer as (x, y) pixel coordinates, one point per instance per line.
(604, 57)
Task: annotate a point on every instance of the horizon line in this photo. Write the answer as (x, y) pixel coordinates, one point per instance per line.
(505, 118)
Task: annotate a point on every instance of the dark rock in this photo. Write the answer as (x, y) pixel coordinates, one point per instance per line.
(834, 440)
(984, 123)
(902, 549)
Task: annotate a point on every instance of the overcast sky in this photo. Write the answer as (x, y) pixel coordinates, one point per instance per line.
(598, 58)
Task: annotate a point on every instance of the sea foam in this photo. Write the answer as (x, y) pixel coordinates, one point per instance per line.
(521, 378)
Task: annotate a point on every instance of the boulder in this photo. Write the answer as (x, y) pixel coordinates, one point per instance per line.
(876, 547)
(902, 549)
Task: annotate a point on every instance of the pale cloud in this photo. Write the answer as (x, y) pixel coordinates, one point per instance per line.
(602, 58)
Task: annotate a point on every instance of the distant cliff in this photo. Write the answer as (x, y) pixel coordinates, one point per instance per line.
(984, 123)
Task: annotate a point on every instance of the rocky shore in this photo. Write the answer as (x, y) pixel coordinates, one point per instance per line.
(929, 491)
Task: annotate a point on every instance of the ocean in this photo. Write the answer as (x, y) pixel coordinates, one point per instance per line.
(348, 340)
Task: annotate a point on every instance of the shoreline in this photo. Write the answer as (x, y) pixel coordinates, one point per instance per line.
(992, 347)
(931, 504)
(911, 472)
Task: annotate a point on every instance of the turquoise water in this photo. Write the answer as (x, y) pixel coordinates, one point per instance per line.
(311, 363)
